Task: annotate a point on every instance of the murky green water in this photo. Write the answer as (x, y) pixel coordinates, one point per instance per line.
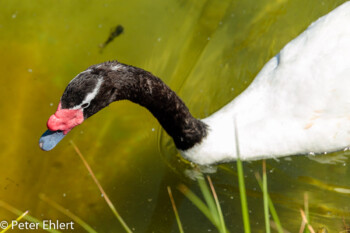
(207, 51)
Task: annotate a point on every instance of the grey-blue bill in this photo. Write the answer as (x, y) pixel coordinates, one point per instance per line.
(50, 139)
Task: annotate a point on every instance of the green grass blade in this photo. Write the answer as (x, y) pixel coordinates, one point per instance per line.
(175, 210)
(105, 196)
(197, 202)
(275, 216)
(67, 213)
(221, 217)
(208, 199)
(26, 217)
(271, 207)
(266, 200)
(242, 192)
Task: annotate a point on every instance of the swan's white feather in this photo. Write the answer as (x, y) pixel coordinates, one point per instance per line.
(298, 103)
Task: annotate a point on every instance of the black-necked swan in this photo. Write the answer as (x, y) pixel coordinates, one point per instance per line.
(298, 103)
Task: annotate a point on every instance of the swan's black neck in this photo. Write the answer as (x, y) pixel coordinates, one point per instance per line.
(141, 87)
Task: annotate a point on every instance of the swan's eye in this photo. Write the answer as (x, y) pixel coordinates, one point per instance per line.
(85, 105)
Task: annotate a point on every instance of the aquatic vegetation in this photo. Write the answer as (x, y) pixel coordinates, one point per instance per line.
(71, 215)
(108, 201)
(175, 210)
(215, 215)
(213, 211)
(266, 199)
(271, 207)
(211, 208)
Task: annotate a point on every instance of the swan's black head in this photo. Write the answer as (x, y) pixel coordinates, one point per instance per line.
(85, 95)
(91, 90)
(101, 84)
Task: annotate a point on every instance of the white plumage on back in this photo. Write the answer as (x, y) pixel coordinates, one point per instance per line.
(298, 103)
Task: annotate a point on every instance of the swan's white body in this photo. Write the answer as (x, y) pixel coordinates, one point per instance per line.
(298, 103)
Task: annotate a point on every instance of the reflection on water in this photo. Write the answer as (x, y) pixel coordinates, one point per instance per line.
(207, 51)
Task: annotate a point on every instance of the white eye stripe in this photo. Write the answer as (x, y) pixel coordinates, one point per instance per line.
(91, 95)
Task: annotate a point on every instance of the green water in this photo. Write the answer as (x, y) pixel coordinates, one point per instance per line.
(207, 51)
